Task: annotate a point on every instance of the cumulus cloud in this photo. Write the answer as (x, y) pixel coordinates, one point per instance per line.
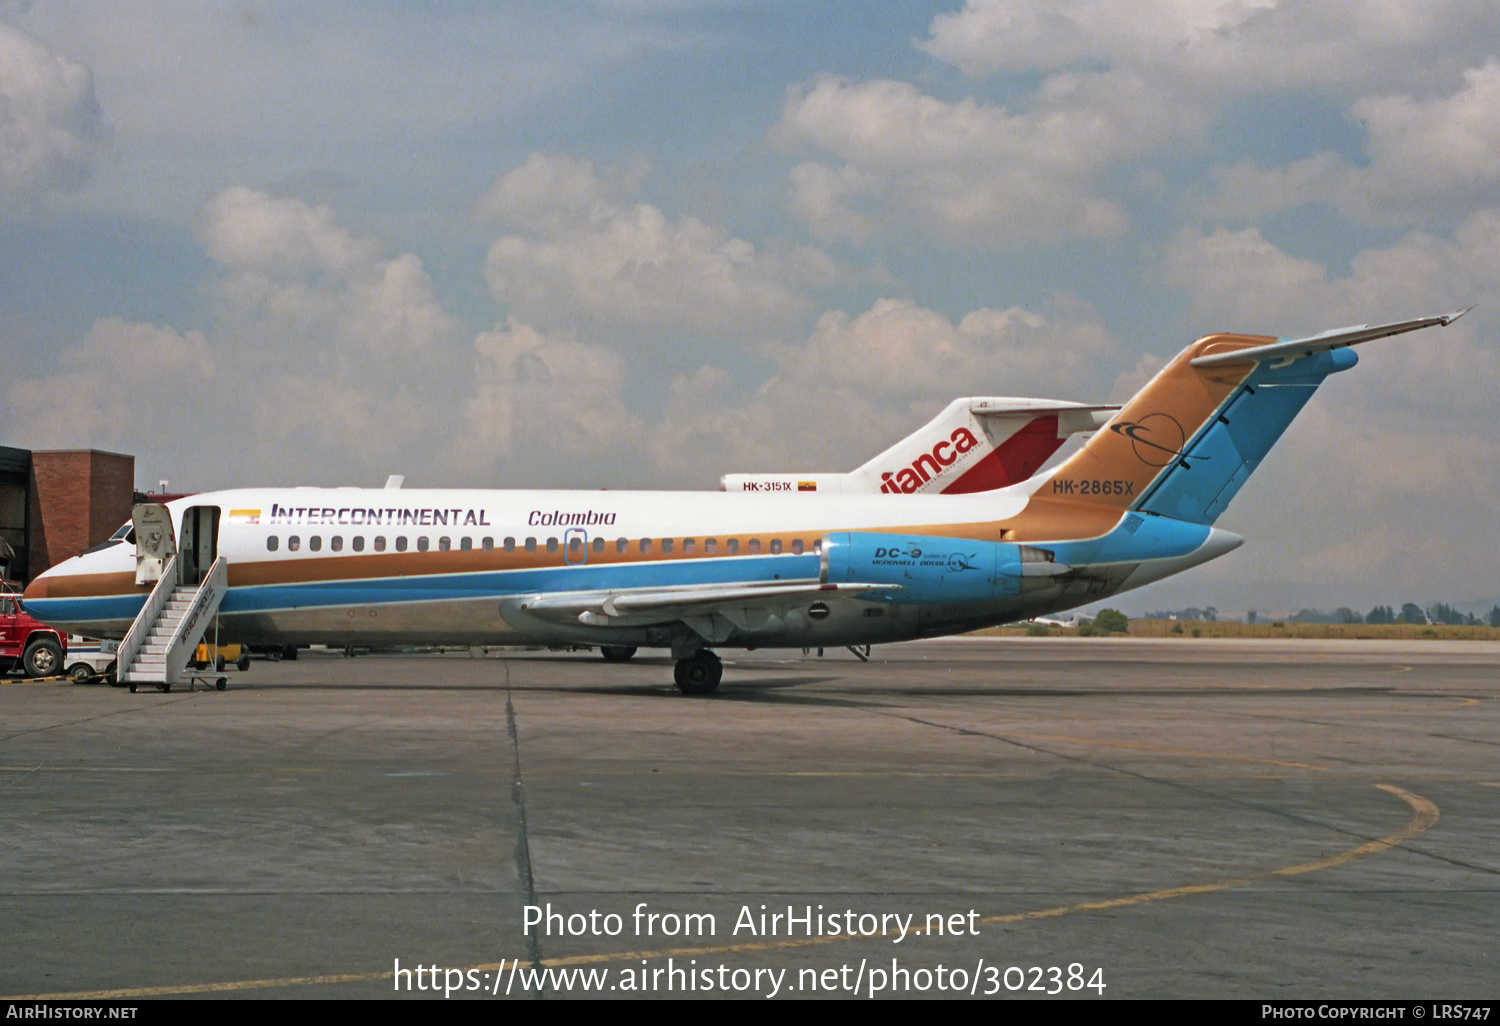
(971, 172)
(51, 130)
(249, 230)
(118, 370)
(1421, 152)
(1120, 83)
(300, 285)
(543, 402)
(588, 251)
(1222, 47)
(1407, 438)
(861, 382)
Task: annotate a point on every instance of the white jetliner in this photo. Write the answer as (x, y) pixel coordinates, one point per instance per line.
(976, 444)
(698, 570)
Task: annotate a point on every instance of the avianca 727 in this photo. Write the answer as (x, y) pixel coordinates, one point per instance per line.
(694, 571)
(976, 444)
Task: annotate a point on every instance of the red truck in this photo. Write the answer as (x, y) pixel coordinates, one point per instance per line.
(39, 650)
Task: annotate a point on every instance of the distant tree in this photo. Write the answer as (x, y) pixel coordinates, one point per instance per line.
(1442, 612)
(1347, 615)
(1412, 613)
(1494, 617)
(1112, 621)
(1250, 616)
(1380, 615)
(1211, 614)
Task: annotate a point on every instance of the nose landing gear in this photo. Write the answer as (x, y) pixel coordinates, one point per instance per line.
(699, 673)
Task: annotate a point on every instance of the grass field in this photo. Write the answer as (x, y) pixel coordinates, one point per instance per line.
(1276, 629)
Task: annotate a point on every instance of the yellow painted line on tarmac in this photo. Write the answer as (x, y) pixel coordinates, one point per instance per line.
(1424, 815)
(1170, 751)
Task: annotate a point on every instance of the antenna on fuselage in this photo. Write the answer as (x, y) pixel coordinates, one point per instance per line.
(394, 481)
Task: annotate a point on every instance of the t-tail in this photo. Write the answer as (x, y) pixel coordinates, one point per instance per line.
(1184, 445)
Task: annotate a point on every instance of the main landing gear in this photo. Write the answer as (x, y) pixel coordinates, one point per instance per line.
(699, 673)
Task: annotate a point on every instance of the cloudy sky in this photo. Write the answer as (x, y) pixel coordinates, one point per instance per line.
(635, 244)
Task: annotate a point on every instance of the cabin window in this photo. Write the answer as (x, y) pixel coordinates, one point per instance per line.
(357, 543)
(598, 544)
(423, 542)
(445, 544)
(645, 545)
(465, 544)
(732, 546)
(380, 543)
(551, 544)
(710, 545)
(687, 545)
(401, 543)
(817, 546)
(293, 543)
(510, 545)
(622, 544)
(488, 544)
(271, 543)
(754, 546)
(530, 544)
(775, 546)
(797, 546)
(666, 545)
(315, 542)
(336, 543)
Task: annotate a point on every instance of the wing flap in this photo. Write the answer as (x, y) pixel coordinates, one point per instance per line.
(748, 606)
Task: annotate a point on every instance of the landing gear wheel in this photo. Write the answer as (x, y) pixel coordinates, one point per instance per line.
(221, 683)
(43, 658)
(243, 662)
(616, 653)
(699, 673)
(219, 664)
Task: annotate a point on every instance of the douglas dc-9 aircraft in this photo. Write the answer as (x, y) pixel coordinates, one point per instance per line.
(694, 571)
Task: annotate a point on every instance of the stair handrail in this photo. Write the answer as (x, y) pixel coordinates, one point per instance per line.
(195, 620)
(140, 627)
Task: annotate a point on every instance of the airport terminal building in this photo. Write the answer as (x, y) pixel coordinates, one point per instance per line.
(55, 504)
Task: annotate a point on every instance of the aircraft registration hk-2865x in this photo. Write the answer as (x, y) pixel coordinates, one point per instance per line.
(694, 571)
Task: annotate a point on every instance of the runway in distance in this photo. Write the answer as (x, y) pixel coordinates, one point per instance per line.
(977, 444)
(695, 571)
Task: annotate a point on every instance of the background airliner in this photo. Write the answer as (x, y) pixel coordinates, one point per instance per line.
(977, 444)
(694, 571)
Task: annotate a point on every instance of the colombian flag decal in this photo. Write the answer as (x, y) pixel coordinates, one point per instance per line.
(807, 486)
(244, 516)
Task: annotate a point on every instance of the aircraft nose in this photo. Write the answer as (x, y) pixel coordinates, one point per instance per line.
(37, 589)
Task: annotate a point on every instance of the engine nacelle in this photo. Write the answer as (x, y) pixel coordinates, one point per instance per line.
(933, 569)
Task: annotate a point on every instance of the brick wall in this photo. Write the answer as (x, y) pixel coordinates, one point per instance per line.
(78, 498)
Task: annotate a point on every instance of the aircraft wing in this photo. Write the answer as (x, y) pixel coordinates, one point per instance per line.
(1337, 338)
(712, 610)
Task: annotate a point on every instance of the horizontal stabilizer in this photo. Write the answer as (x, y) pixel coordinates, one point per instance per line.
(1337, 338)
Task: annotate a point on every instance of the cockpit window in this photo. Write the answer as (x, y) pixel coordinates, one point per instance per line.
(126, 532)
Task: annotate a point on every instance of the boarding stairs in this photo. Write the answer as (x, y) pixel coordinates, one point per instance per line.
(160, 643)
